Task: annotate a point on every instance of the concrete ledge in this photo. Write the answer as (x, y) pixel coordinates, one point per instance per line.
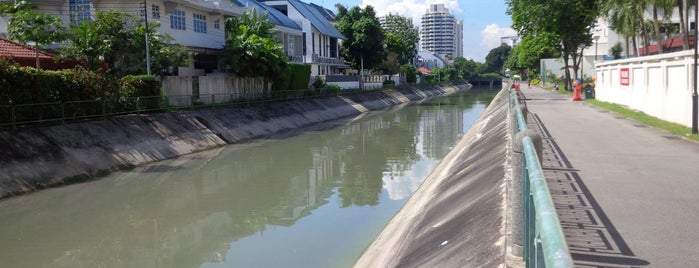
(457, 216)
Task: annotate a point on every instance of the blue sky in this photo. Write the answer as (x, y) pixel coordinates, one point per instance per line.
(485, 21)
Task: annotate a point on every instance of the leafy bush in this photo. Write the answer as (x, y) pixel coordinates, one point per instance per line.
(389, 83)
(318, 83)
(410, 73)
(21, 85)
(332, 88)
(134, 86)
(283, 82)
(300, 76)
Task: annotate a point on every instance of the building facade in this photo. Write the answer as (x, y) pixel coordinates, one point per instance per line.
(320, 41)
(439, 34)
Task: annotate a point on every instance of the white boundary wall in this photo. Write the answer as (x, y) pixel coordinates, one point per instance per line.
(658, 85)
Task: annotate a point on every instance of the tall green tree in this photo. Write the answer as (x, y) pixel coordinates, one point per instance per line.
(528, 53)
(27, 25)
(496, 58)
(402, 37)
(570, 20)
(251, 49)
(468, 69)
(364, 44)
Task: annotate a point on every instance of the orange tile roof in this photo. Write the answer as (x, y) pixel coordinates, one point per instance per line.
(16, 50)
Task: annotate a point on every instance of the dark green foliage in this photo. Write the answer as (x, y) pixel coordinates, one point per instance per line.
(23, 85)
(616, 50)
(364, 44)
(300, 76)
(283, 80)
(496, 58)
(131, 86)
(251, 49)
(389, 83)
(20, 85)
(117, 40)
(318, 83)
(410, 73)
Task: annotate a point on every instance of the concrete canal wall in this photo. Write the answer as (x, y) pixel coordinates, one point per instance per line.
(38, 157)
(457, 218)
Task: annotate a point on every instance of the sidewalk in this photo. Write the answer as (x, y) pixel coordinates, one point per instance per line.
(626, 194)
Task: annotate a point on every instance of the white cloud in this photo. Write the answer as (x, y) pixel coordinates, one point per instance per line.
(490, 38)
(410, 8)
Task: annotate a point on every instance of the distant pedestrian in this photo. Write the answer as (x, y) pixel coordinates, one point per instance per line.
(529, 84)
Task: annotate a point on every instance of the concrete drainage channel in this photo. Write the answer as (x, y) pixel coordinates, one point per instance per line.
(38, 157)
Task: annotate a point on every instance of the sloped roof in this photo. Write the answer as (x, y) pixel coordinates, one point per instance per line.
(17, 50)
(273, 15)
(317, 19)
(329, 15)
(424, 70)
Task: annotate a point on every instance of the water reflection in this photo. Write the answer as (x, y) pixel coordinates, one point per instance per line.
(313, 200)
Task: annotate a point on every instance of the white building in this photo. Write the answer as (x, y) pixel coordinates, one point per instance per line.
(320, 40)
(441, 33)
(197, 24)
(289, 33)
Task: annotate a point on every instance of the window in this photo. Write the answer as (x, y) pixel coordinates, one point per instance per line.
(217, 24)
(177, 20)
(199, 23)
(79, 11)
(155, 11)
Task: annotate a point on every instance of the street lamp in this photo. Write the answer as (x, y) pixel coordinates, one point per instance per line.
(695, 108)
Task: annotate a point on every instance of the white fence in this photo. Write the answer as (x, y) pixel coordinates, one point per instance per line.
(211, 89)
(659, 85)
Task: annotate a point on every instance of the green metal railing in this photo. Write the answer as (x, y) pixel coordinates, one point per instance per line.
(544, 244)
(60, 112)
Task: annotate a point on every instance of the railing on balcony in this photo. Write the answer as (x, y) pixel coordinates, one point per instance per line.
(295, 59)
(327, 60)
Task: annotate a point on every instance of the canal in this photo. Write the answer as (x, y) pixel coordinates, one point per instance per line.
(316, 198)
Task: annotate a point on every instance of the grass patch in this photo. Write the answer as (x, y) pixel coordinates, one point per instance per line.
(655, 122)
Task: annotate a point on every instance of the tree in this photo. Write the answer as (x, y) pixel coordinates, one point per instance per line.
(364, 44)
(401, 37)
(117, 39)
(496, 58)
(467, 69)
(251, 49)
(27, 25)
(667, 7)
(390, 65)
(528, 53)
(570, 20)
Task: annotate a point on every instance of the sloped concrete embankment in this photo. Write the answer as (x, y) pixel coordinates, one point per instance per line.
(39, 157)
(457, 216)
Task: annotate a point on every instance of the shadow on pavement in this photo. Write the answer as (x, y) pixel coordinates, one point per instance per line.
(592, 238)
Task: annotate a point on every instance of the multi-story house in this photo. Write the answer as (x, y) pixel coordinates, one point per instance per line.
(288, 32)
(320, 40)
(197, 24)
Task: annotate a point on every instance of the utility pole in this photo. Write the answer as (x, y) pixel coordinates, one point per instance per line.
(145, 15)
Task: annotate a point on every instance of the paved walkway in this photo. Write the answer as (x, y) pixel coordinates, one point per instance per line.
(627, 195)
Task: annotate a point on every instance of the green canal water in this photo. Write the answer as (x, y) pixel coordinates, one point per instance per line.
(314, 199)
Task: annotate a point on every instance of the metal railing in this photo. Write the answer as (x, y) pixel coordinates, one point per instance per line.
(544, 244)
(61, 112)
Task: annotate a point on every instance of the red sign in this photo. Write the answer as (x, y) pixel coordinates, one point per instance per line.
(625, 76)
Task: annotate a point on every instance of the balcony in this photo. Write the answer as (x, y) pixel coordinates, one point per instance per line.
(328, 60)
(295, 59)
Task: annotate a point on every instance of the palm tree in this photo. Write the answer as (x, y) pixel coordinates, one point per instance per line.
(667, 7)
(623, 17)
(681, 7)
